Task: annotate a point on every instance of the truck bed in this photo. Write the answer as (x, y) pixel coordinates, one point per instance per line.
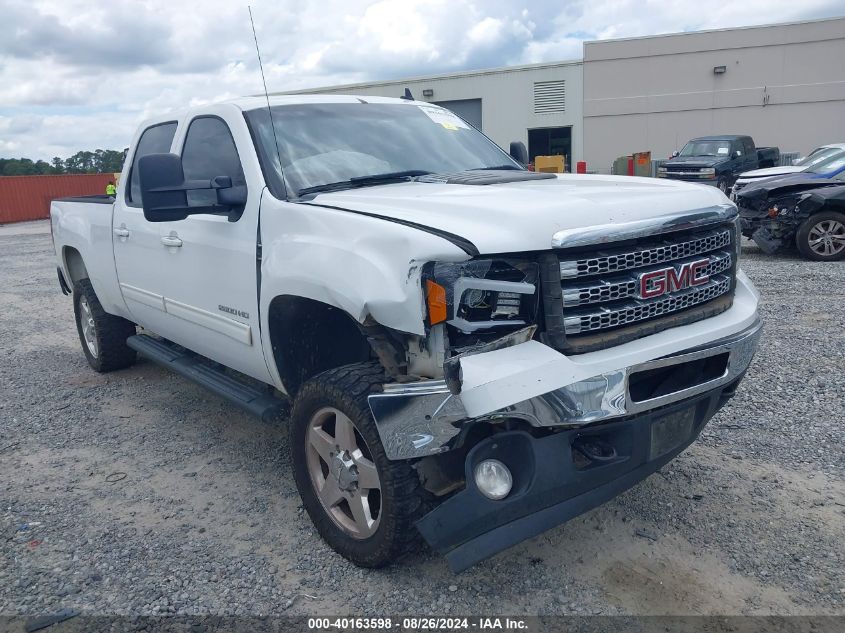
(99, 198)
(82, 231)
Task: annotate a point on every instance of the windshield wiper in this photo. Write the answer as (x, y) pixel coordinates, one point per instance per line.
(364, 181)
(513, 167)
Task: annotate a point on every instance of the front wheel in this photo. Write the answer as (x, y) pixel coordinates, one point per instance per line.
(363, 505)
(822, 237)
(724, 185)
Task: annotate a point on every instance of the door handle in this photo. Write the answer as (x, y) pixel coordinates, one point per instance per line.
(122, 232)
(171, 240)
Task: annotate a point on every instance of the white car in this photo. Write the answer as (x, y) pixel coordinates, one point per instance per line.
(815, 157)
(474, 352)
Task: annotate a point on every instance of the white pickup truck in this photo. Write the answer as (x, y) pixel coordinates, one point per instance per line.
(474, 352)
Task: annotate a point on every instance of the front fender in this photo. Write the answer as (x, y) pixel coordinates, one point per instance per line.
(362, 265)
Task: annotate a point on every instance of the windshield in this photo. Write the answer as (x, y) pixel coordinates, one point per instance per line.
(706, 148)
(819, 156)
(830, 166)
(328, 143)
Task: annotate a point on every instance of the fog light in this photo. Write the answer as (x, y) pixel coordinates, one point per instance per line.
(493, 479)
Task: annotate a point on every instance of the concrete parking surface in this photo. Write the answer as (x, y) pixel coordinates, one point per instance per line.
(138, 493)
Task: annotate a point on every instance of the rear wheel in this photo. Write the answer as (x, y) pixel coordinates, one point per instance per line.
(822, 237)
(103, 336)
(363, 505)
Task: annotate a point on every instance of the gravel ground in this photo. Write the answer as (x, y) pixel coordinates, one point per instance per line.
(749, 520)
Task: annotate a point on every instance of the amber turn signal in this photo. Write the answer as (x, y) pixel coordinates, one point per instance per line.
(436, 300)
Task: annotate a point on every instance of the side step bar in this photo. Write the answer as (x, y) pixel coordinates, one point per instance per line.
(193, 367)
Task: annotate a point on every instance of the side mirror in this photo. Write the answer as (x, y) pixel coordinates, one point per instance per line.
(164, 190)
(675, 154)
(737, 153)
(518, 152)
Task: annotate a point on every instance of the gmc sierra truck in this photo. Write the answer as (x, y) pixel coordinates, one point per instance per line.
(718, 160)
(473, 352)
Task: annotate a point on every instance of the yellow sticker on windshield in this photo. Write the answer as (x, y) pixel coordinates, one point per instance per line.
(449, 126)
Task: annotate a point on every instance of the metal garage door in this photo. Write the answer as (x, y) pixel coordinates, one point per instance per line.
(468, 109)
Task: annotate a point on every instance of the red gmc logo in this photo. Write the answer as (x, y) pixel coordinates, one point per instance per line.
(659, 282)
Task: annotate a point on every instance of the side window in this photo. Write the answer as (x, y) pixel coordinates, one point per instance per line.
(210, 151)
(749, 147)
(154, 140)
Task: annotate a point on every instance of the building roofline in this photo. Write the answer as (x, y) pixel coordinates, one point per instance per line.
(536, 66)
(706, 31)
(422, 78)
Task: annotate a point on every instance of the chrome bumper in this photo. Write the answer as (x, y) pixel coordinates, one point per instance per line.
(420, 419)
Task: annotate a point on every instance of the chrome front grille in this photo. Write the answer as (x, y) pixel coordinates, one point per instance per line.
(644, 256)
(607, 291)
(613, 289)
(605, 318)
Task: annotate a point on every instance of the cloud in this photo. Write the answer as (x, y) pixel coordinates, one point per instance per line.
(81, 75)
(100, 39)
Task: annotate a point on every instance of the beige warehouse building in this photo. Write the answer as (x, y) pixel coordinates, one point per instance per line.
(783, 84)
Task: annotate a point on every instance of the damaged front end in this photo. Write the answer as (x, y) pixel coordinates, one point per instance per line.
(773, 221)
(565, 426)
(565, 450)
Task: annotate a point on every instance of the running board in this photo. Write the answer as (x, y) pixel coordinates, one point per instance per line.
(194, 367)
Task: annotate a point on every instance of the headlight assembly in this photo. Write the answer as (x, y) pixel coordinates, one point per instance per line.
(707, 172)
(483, 294)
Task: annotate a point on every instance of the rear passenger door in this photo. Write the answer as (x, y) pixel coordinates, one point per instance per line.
(135, 241)
(210, 285)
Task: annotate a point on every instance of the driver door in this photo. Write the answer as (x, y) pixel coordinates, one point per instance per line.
(210, 282)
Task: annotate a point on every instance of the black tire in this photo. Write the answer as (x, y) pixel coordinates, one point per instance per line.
(401, 497)
(803, 236)
(109, 331)
(724, 184)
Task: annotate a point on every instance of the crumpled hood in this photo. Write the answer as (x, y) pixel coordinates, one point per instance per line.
(758, 195)
(523, 216)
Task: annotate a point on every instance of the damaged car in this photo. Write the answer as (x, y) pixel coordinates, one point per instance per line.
(818, 157)
(468, 353)
(803, 210)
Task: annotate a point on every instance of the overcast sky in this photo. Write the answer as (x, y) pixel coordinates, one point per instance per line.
(82, 74)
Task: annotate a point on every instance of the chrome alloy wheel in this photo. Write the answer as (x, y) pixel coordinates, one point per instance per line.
(342, 473)
(827, 238)
(86, 321)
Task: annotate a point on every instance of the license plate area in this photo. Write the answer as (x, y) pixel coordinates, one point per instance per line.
(670, 431)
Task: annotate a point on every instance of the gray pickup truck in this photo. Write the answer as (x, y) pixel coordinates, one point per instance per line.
(718, 160)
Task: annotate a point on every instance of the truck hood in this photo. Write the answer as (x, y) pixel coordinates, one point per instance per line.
(523, 216)
(696, 161)
(769, 172)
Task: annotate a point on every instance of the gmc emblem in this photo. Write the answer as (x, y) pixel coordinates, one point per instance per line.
(659, 282)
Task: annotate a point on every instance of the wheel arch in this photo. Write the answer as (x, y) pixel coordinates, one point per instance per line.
(74, 264)
(309, 337)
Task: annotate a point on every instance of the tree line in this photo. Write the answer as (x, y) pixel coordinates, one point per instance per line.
(97, 162)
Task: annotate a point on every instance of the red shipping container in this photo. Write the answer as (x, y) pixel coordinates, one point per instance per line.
(28, 197)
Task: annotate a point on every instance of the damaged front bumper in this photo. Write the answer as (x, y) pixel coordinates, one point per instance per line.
(646, 400)
(533, 382)
(772, 224)
(551, 485)
(769, 234)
